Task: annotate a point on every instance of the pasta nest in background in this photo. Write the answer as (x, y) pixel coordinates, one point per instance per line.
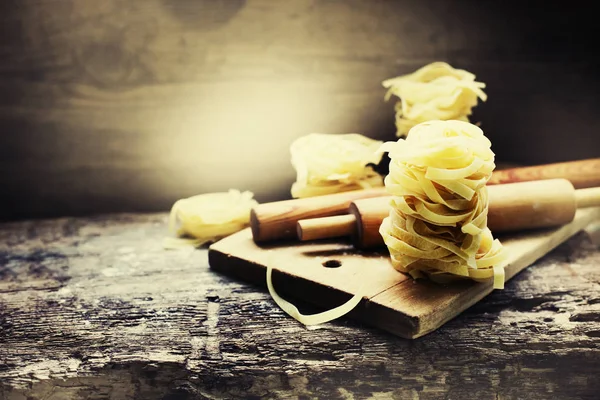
(327, 163)
(434, 92)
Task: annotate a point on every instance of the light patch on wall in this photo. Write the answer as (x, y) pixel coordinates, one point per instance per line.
(238, 134)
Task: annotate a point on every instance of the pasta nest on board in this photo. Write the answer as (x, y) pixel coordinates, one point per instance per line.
(437, 226)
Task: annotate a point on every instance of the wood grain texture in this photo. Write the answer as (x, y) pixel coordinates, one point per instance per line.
(94, 308)
(581, 173)
(278, 220)
(129, 105)
(513, 207)
(368, 216)
(390, 301)
(326, 227)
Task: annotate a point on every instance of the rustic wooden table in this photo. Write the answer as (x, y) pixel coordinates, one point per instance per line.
(95, 308)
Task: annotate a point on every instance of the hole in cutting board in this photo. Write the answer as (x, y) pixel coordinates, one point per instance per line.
(332, 264)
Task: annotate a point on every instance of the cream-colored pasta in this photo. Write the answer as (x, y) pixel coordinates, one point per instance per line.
(327, 163)
(435, 92)
(312, 319)
(437, 224)
(209, 217)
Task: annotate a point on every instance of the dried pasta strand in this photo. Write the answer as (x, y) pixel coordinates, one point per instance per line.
(313, 319)
(434, 92)
(437, 225)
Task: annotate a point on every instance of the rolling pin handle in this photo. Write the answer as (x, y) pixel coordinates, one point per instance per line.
(326, 227)
(589, 197)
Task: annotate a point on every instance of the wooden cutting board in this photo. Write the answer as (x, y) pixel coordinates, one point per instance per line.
(328, 273)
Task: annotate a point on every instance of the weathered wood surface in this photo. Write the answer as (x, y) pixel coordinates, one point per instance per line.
(95, 308)
(118, 106)
(390, 301)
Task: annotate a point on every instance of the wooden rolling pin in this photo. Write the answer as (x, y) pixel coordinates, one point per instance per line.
(277, 220)
(512, 207)
(582, 174)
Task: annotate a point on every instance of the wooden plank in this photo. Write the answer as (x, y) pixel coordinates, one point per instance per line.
(95, 308)
(392, 302)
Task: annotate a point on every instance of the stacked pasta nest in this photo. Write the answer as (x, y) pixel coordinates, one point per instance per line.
(437, 224)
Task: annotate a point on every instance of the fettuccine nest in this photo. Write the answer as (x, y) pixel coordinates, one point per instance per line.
(437, 224)
(209, 217)
(434, 92)
(327, 163)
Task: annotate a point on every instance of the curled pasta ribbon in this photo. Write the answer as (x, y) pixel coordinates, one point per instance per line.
(437, 226)
(312, 319)
(435, 92)
(208, 217)
(327, 163)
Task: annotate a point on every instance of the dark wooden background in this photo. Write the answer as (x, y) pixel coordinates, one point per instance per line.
(112, 105)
